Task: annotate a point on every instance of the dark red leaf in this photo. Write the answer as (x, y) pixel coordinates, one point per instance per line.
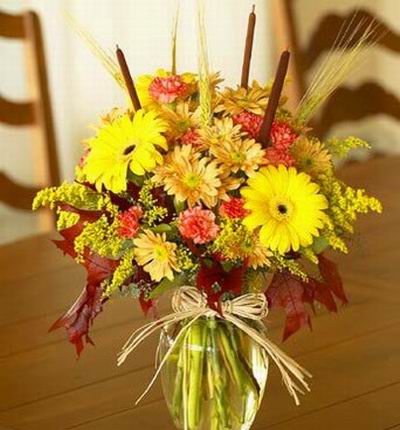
(331, 277)
(80, 316)
(321, 293)
(287, 291)
(215, 281)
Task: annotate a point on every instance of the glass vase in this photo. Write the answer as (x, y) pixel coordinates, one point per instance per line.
(214, 376)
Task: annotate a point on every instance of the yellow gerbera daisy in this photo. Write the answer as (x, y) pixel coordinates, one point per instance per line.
(243, 154)
(156, 255)
(189, 177)
(311, 156)
(286, 205)
(122, 144)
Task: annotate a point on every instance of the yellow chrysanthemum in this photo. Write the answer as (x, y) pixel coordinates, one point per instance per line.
(311, 156)
(123, 144)
(179, 119)
(156, 255)
(259, 256)
(286, 205)
(239, 155)
(221, 131)
(228, 183)
(253, 99)
(189, 177)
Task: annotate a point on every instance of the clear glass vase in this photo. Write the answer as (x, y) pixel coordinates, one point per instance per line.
(215, 376)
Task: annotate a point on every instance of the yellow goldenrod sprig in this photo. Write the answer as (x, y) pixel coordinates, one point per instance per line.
(234, 241)
(66, 219)
(345, 203)
(100, 237)
(125, 270)
(282, 263)
(153, 213)
(340, 148)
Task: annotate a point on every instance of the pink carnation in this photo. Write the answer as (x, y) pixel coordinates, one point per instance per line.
(233, 208)
(198, 224)
(282, 135)
(168, 89)
(250, 123)
(129, 222)
(278, 156)
(191, 137)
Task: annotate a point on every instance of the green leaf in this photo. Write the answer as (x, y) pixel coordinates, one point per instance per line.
(167, 285)
(137, 180)
(320, 244)
(161, 228)
(179, 206)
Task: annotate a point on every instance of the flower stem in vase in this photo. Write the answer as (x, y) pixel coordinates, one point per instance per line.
(179, 379)
(219, 381)
(195, 367)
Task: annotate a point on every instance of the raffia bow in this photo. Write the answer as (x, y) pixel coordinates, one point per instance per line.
(189, 303)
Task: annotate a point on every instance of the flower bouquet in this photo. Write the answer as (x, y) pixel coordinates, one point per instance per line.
(223, 199)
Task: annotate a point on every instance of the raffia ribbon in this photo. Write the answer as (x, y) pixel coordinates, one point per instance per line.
(189, 303)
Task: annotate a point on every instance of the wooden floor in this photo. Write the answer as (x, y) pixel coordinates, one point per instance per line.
(354, 356)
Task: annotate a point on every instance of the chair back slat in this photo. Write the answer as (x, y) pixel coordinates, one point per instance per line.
(358, 106)
(16, 195)
(370, 98)
(16, 113)
(12, 26)
(321, 40)
(43, 111)
(36, 112)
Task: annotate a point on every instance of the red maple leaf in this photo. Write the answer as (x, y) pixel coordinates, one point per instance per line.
(316, 291)
(292, 293)
(287, 291)
(78, 319)
(331, 277)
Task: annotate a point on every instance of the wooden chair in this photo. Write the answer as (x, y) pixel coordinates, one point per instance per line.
(369, 98)
(36, 113)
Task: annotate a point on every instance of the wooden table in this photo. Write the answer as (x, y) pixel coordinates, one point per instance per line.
(354, 356)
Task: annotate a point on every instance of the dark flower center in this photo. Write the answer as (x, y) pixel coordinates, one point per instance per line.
(282, 209)
(129, 149)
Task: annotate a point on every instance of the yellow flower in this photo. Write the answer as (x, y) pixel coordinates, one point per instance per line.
(259, 256)
(244, 154)
(311, 157)
(228, 183)
(189, 177)
(156, 255)
(123, 144)
(179, 119)
(222, 131)
(286, 205)
(254, 99)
